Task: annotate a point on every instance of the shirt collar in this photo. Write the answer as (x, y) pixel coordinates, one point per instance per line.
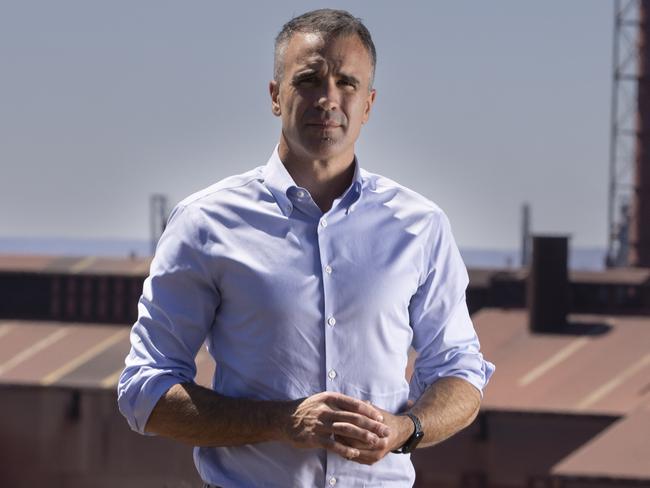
(355, 188)
(280, 183)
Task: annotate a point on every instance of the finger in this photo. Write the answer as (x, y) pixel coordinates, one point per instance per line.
(380, 445)
(350, 404)
(368, 457)
(351, 442)
(361, 421)
(341, 449)
(352, 432)
(364, 459)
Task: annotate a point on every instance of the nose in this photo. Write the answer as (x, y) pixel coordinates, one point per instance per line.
(326, 104)
(328, 98)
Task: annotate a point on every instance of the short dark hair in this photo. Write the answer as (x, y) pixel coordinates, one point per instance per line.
(329, 23)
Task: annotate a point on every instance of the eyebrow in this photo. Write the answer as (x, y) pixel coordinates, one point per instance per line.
(311, 72)
(303, 74)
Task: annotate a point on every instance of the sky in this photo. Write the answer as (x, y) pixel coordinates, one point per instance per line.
(481, 106)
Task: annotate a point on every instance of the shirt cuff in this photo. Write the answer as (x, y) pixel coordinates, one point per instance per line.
(469, 367)
(137, 407)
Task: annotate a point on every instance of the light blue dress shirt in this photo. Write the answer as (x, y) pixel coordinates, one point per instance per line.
(291, 301)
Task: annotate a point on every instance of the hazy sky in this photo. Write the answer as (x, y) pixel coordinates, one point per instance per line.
(480, 107)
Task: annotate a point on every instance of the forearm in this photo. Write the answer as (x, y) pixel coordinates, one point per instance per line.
(201, 417)
(446, 407)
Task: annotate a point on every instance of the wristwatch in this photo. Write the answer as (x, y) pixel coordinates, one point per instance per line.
(415, 438)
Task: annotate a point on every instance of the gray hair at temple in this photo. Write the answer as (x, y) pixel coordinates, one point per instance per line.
(329, 23)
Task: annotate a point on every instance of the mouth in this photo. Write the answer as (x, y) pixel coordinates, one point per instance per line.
(324, 124)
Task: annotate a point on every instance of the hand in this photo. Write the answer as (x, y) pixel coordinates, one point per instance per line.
(319, 420)
(401, 428)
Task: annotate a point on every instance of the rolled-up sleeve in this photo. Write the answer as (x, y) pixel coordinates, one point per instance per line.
(175, 312)
(443, 333)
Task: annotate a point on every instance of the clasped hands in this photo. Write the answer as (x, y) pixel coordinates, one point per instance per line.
(351, 428)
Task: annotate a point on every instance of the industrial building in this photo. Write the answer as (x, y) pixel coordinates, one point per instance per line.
(568, 406)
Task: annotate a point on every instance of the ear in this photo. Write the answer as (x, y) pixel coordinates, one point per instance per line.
(274, 91)
(369, 101)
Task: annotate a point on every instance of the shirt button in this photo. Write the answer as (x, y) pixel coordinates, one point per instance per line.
(328, 269)
(300, 193)
(289, 208)
(331, 321)
(323, 223)
(332, 481)
(331, 374)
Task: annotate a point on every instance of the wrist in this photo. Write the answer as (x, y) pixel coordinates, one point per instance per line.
(280, 420)
(405, 430)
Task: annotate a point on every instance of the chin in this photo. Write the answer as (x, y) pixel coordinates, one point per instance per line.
(325, 147)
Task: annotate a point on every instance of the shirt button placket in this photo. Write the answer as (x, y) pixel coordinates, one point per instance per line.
(328, 307)
(326, 238)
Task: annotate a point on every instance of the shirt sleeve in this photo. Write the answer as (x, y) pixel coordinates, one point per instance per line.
(443, 333)
(175, 313)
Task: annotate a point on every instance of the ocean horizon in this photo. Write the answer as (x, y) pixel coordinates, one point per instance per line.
(587, 258)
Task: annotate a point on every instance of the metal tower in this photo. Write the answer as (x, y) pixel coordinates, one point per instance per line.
(640, 210)
(157, 218)
(623, 126)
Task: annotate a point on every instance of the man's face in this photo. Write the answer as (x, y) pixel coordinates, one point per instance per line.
(324, 96)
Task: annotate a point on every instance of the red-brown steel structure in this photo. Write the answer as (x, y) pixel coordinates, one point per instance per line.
(640, 216)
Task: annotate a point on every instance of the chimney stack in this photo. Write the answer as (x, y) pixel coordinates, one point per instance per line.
(547, 291)
(525, 235)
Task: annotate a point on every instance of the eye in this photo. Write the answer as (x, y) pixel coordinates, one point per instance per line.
(306, 80)
(347, 84)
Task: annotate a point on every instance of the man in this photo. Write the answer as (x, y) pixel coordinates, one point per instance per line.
(309, 278)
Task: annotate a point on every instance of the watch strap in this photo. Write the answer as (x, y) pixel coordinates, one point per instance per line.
(415, 437)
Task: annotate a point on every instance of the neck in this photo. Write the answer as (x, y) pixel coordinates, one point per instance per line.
(325, 178)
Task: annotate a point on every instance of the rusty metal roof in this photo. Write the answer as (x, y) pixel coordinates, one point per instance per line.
(613, 276)
(138, 266)
(75, 265)
(600, 366)
(620, 452)
(482, 277)
(75, 355)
